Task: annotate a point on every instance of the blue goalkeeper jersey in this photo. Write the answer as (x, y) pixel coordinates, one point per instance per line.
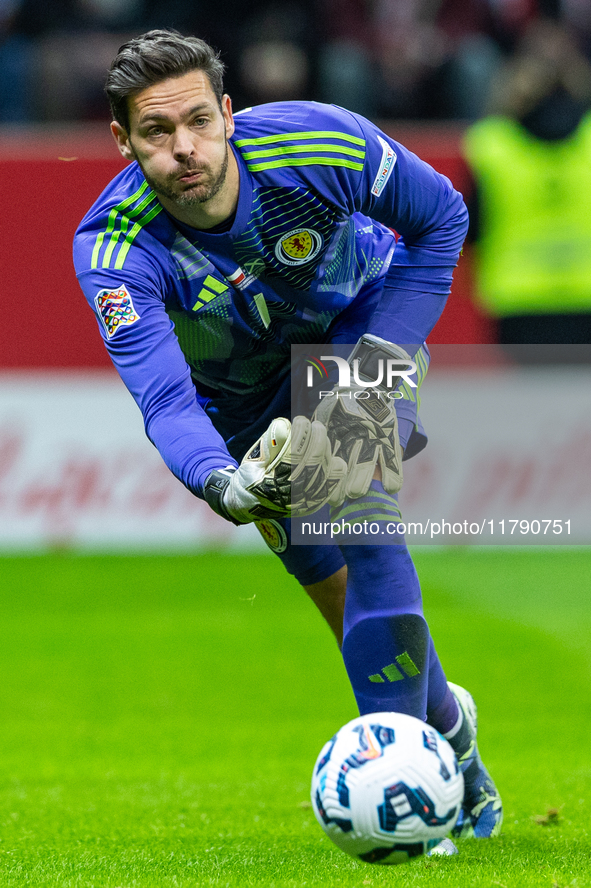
(192, 317)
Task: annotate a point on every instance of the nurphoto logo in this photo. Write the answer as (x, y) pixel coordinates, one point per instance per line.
(390, 373)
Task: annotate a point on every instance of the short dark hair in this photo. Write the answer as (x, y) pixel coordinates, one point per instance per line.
(156, 56)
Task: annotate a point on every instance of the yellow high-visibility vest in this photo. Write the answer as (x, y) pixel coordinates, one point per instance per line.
(534, 247)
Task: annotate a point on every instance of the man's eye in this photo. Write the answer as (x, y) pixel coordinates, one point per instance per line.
(201, 121)
(155, 131)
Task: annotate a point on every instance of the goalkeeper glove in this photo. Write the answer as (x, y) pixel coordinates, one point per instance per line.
(362, 428)
(289, 471)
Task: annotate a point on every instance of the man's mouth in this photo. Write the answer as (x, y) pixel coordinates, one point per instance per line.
(191, 175)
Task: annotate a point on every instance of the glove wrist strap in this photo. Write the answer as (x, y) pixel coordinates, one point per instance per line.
(214, 489)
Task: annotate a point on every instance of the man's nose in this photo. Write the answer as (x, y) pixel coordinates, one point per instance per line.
(183, 144)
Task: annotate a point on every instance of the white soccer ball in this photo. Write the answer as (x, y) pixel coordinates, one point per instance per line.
(386, 788)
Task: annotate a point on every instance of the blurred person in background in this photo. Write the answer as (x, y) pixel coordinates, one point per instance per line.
(531, 220)
(576, 15)
(268, 46)
(347, 70)
(410, 50)
(417, 59)
(276, 52)
(16, 66)
(72, 44)
(68, 44)
(477, 36)
(412, 59)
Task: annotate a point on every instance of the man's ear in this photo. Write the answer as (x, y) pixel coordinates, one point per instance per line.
(122, 140)
(227, 115)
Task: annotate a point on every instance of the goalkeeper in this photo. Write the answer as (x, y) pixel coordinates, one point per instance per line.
(225, 241)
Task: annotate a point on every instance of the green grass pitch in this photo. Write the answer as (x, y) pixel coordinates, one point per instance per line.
(159, 718)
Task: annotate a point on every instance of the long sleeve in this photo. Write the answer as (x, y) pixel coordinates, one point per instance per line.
(431, 219)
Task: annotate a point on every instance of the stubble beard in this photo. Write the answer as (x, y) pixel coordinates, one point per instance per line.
(171, 186)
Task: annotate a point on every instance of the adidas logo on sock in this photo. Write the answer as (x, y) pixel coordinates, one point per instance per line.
(406, 668)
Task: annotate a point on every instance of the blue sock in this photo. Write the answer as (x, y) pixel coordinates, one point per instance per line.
(443, 712)
(387, 648)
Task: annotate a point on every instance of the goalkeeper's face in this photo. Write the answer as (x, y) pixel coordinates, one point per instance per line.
(178, 134)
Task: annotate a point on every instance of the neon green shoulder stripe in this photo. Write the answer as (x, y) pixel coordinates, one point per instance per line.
(121, 207)
(129, 200)
(289, 137)
(125, 246)
(125, 219)
(100, 237)
(305, 161)
(300, 149)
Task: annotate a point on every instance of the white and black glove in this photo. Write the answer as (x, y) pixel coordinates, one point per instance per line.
(363, 431)
(289, 471)
(362, 428)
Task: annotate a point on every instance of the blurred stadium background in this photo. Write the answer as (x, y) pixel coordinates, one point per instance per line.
(75, 468)
(121, 674)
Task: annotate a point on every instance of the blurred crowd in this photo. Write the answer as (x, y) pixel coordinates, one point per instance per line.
(410, 59)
